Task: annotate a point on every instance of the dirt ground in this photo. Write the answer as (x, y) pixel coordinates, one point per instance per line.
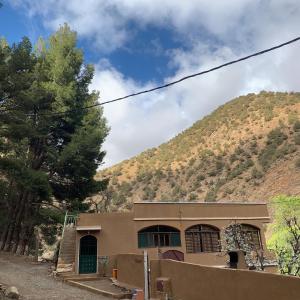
(34, 281)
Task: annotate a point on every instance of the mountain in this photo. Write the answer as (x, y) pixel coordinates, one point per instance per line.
(246, 150)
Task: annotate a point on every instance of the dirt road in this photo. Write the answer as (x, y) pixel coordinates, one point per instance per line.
(35, 283)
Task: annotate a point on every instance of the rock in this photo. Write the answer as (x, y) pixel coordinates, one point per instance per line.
(48, 255)
(61, 268)
(12, 293)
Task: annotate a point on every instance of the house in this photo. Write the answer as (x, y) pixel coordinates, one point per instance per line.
(186, 231)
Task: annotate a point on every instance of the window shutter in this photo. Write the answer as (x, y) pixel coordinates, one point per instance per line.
(175, 239)
(142, 240)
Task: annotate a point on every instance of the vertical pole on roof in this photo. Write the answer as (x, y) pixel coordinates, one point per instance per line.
(146, 276)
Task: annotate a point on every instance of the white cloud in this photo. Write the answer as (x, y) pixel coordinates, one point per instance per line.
(242, 26)
(106, 23)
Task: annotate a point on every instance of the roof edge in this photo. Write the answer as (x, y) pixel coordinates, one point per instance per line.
(206, 203)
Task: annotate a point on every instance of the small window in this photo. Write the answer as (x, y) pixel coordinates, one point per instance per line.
(202, 238)
(159, 236)
(253, 235)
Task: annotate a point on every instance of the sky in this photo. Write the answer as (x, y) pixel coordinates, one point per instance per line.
(138, 44)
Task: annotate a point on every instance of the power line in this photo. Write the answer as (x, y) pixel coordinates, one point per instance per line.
(179, 80)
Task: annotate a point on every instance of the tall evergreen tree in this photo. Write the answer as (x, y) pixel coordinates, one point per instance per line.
(46, 154)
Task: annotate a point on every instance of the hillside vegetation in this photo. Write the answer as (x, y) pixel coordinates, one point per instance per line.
(246, 150)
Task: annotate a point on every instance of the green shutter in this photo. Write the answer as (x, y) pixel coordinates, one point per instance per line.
(142, 240)
(175, 239)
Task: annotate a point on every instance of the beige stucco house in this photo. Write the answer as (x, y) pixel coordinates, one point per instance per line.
(177, 230)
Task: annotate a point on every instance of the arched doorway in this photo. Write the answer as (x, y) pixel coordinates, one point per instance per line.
(88, 255)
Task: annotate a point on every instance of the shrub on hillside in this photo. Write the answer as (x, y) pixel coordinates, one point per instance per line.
(256, 173)
(192, 197)
(297, 139)
(297, 126)
(211, 195)
(269, 154)
(276, 137)
(149, 193)
(240, 168)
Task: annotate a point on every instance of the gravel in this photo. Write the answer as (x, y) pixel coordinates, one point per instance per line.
(35, 282)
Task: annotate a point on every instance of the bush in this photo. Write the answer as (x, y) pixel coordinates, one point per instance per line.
(49, 233)
(269, 154)
(189, 174)
(256, 173)
(297, 126)
(211, 195)
(240, 168)
(200, 178)
(228, 191)
(192, 197)
(297, 163)
(149, 193)
(297, 139)
(276, 137)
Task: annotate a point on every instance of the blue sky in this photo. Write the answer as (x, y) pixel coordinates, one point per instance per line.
(144, 57)
(137, 44)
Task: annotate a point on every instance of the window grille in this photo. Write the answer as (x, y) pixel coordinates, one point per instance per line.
(159, 236)
(202, 238)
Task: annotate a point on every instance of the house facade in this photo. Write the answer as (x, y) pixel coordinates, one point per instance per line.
(184, 231)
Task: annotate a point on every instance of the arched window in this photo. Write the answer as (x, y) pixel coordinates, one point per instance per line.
(202, 238)
(159, 236)
(253, 235)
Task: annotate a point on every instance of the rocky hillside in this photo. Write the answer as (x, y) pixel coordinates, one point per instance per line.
(246, 150)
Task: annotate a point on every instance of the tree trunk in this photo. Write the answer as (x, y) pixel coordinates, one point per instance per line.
(26, 229)
(20, 218)
(4, 236)
(14, 221)
(10, 211)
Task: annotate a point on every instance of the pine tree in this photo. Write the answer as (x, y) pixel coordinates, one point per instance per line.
(46, 154)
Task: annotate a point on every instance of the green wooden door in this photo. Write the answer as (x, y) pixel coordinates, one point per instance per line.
(88, 255)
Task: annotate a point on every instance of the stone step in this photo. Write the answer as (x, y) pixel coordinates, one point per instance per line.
(67, 250)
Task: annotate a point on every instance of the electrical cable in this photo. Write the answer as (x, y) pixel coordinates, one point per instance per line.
(176, 81)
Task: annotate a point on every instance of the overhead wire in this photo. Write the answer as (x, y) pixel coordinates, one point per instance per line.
(175, 81)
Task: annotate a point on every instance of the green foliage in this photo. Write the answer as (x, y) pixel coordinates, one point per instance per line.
(293, 118)
(296, 126)
(149, 193)
(256, 174)
(125, 188)
(211, 195)
(178, 193)
(45, 154)
(286, 234)
(297, 163)
(240, 168)
(276, 137)
(269, 154)
(297, 139)
(192, 197)
(219, 165)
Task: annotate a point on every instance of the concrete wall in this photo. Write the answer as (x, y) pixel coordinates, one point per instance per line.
(194, 282)
(116, 236)
(131, 269)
